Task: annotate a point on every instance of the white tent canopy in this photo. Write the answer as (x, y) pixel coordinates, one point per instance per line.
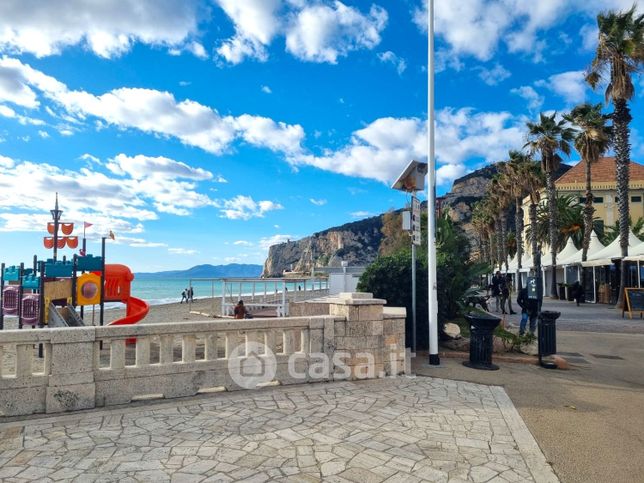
(637, 253)
(567, 251)
(594, 247)
(612, 251)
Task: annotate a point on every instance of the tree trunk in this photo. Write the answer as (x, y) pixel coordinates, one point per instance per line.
(518, 223)
(588, 212)
(533, 234)
(499, 245)
(504, 239)
(621, 119)
(552, 224)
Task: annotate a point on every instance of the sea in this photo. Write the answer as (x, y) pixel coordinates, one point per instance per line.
(164, 291)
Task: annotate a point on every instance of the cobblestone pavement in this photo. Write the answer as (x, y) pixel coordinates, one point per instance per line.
(404, 429)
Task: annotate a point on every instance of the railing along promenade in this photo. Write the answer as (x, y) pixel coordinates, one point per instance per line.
(88, 367)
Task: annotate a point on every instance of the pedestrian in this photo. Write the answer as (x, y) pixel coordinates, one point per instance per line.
(577, 292)
(508, 284)
(184, 296)
(240, 310)
(529, 311)
(191, 294)
(496, 289)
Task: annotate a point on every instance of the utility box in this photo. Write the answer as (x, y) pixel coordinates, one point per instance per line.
(406, 221)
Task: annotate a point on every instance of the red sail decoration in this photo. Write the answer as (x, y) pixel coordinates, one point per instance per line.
(50, 227)
(72, 241)
(48, 242)
(61, 242)
(67, 228)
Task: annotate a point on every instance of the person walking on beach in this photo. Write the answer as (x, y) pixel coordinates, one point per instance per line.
(240, 310)
(191, 294)
(184, 296)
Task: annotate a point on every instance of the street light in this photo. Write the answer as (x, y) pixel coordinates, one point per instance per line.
(434, 360)
(411, 180)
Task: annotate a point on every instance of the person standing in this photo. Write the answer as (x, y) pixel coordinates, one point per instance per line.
(508, 284)
(191, 294)
(496, 289)
(529, 311)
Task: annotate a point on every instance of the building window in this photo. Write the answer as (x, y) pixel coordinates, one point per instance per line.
(582, 200)
(598, 199)
(636, 199)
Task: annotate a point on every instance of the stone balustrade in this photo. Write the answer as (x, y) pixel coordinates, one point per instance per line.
(88, 367)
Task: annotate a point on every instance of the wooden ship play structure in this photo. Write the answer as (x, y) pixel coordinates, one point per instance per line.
(48, 293)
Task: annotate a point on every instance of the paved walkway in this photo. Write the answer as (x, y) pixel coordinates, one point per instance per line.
(403, 429)
(586, 317)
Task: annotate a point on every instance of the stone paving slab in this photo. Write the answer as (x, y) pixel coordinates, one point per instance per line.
(403, 429)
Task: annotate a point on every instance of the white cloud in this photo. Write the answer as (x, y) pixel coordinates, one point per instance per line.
(495, 75)
(316, 32)
(322, 33)
(266, 90)
(154, 112)
(267, 242)
(120, 203)
(182, 251)
(43, 134)
(106, 28)
(245, 207)
(318, 202)
(571, 86)
(243, 243)
(220, 179)
(378, 151)
(361, 214)
(256, 23)
(535, 101)
(389, 57)
(464, 133)
(447, 173)
(140, 166)
(589, 34)
(475, 28)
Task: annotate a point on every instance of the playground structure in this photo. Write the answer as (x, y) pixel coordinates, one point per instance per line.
(48, 293)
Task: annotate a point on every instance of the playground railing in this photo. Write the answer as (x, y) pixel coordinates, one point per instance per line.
(88, 367)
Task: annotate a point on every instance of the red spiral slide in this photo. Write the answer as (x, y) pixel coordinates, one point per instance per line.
(118, 279)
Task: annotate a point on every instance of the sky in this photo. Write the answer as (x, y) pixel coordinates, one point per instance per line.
(203, 131)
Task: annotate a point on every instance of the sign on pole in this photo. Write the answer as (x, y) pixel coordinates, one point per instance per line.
(415, 221)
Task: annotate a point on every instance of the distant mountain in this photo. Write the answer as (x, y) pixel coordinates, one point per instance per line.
(206, 271)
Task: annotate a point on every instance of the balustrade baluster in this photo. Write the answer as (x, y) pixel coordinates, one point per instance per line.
(142, 351)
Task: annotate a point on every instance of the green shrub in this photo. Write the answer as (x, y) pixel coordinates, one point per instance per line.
(389, 277)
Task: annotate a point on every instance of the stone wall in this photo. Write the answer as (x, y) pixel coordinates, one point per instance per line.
(88, 367)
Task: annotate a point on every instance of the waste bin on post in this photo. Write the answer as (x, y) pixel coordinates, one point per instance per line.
(547, 336)
(481, 341)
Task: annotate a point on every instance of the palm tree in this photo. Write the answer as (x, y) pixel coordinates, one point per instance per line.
(571, 221)
(515, 183)
(499, 201)
(534, 183)
(620, 54)
(592, 140)
(549, 137)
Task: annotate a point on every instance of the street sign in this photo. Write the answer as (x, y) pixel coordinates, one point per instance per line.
(406, 220)
(415, 220)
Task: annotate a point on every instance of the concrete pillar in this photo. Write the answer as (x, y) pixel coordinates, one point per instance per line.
(359, 341)
(71, 379)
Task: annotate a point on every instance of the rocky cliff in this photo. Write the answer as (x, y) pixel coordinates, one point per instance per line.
(356, 243)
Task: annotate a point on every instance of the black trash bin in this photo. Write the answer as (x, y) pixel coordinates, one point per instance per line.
(481, 341)
(547, 336)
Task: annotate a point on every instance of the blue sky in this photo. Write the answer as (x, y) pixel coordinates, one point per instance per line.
(202, 131)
